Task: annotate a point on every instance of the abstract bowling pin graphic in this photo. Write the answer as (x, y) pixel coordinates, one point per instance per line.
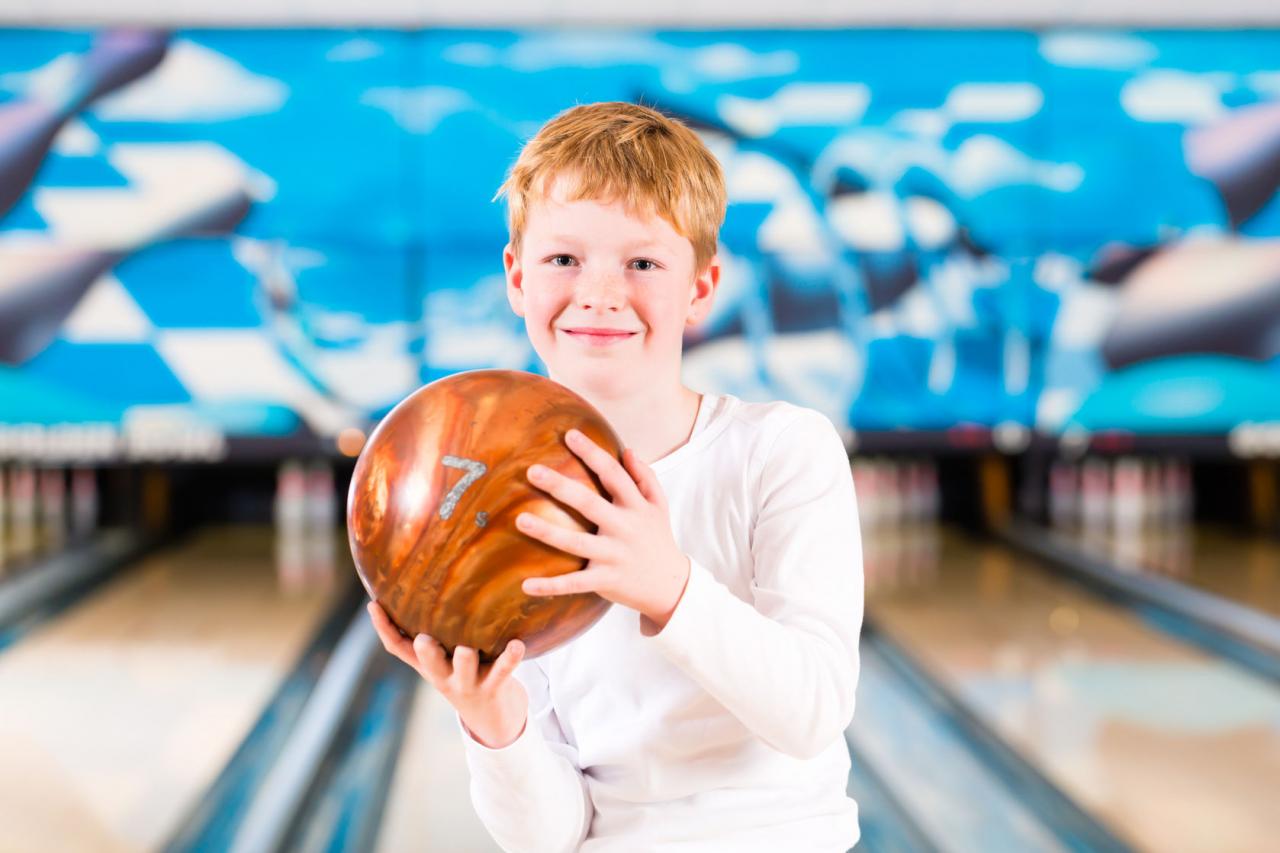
(1240, 155)
(174, 190)
(28, 126)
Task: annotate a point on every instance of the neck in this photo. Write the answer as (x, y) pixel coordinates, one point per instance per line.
(653, 421)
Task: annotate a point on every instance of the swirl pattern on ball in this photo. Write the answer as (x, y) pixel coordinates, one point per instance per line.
(433, 501)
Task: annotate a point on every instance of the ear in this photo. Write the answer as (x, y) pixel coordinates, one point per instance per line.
(515, 280)
(704, 291)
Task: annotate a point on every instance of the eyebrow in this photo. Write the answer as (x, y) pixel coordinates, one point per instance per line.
(570, 238)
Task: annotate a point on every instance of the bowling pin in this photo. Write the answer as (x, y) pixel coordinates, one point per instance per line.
(865, 487)
(1181, 551)
(290, 515)
(1063, 495)
(933, 495)
(4, 517)
(319, 549)
(1183, 491)
(53, 505)
(1157, 496)
(890, 491)
(291, 559)
(320, 500)
(916, 491)
(84, 502)
(290, 508)
(22, 500)
(1095, 497)
(1126, 501)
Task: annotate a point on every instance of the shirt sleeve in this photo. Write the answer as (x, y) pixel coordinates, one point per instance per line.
(785, 663)
(530, 795)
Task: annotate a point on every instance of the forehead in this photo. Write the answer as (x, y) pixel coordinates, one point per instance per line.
(553, 214)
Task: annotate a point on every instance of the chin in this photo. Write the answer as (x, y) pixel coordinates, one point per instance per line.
(595, 374)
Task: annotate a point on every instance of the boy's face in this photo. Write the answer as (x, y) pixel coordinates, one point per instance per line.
(593, 265)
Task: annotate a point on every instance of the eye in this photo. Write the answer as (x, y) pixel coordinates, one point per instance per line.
(556, 260)
(650, 265)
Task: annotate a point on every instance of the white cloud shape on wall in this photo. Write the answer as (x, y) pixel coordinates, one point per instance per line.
(421, 109)
(589, 49)
(1096, 50)
(796, 104)
(354, 50)
(1169, 95)
(76, 139)
(47, 83)
(1264, 83)
(870, 221)
(107, 314)
(751, 176)
(194, 83)
(982, 163)
(993, 102)
(1085, 316)
(922, 122)
(792, 227)
(474, 327)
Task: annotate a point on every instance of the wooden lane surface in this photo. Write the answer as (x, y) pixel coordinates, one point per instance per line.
(116, 716)
(1241, 567)
(1173, 749)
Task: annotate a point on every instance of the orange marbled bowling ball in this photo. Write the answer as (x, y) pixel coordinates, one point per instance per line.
(433, 503)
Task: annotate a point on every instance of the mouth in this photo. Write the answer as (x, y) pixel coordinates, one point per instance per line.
(599, 337)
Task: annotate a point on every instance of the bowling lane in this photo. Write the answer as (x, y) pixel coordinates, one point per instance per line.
(429, 805)
(1241, 567)
(118, 714)
(1171, 748)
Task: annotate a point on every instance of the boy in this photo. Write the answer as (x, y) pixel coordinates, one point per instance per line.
(706, 710)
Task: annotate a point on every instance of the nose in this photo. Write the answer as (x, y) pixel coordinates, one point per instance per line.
(599, 290)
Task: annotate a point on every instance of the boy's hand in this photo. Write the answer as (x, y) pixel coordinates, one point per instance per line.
(633, 558)
(493, 705)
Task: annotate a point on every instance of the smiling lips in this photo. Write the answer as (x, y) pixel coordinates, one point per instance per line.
(598, 336)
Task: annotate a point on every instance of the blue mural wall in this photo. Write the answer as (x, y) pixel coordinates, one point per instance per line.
(282, 233)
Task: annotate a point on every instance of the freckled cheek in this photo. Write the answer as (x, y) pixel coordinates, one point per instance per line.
(541, 315)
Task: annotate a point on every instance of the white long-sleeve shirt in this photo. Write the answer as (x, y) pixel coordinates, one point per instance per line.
(724, 731)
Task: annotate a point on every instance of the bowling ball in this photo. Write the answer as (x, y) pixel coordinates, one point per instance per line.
(433, 502)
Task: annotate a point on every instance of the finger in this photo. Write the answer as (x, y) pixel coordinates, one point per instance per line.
(567, 490)
(505, 664)
(390, 637)
(431, 660)
(466, 663)
(570, 583)
(617, 482)
(589, 546)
